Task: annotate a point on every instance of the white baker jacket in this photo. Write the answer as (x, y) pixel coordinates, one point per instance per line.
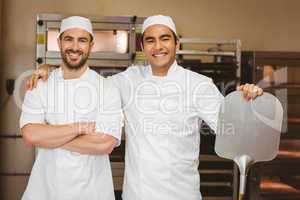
(59, 174)
(162, 120)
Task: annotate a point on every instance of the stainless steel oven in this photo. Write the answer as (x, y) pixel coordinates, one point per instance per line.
(115, 40)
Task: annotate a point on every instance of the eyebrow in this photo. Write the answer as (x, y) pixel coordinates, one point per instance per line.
(67, 36)
(162, 36)
(80, 38)
(165, 35)
(149, 38)
(85, 38)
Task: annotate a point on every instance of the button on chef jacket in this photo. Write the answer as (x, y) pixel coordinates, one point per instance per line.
(59, 174)
(162, 120)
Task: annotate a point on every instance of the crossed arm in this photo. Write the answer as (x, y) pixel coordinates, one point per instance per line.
(93, 144)
(77, 137)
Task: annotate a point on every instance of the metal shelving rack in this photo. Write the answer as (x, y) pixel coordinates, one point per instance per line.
(278, 73)
(218, 50)
(219, 59)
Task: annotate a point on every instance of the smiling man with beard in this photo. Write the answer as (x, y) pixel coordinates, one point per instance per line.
(74, 120)
(75, 59)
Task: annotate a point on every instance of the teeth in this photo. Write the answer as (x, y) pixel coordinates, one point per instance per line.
(159, 55)
(74, 55)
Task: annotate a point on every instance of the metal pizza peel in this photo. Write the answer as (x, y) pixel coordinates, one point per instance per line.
(248, 131)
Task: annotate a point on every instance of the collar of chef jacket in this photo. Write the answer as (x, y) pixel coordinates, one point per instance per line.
(172, 70)
(83, 76)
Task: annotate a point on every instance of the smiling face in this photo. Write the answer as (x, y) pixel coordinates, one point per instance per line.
(75, 46)
(159, 46)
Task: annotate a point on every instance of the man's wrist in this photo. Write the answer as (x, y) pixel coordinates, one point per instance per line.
(74, 128)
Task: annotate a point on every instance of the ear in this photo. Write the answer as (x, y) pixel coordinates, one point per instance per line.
(142, 47)
(91, 45)
(59, 43)
(177, 45)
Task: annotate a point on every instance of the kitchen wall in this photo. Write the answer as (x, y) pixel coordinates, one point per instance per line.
(1, 52)
(261, 25)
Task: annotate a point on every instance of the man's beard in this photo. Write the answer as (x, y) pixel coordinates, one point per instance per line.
(78, 65)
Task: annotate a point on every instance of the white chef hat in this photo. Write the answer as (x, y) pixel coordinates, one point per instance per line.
(159, 19)
(76, 22)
